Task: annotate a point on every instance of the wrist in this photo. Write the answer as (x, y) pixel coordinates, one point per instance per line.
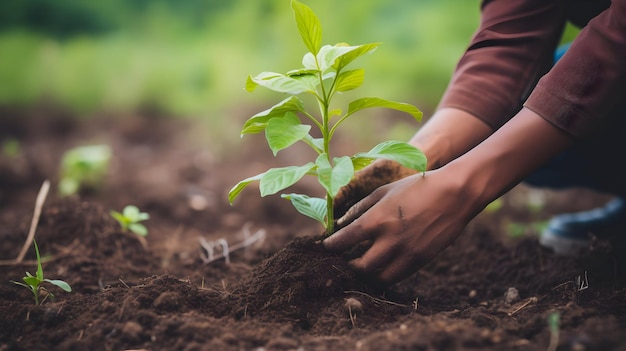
(448, 134)
(502, 161)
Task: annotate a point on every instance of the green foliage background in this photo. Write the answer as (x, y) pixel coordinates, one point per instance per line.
(191, 57)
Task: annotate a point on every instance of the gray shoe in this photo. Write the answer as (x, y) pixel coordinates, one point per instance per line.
(571, 233)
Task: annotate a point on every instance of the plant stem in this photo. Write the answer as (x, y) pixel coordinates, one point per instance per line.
(324, 104)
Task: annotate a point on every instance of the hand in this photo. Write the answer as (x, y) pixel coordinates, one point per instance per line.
(379, 173)
(406, 223)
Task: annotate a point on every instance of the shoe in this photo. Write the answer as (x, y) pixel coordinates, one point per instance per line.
(571, 233)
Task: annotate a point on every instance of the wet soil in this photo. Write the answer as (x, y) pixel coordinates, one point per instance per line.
(493, 289)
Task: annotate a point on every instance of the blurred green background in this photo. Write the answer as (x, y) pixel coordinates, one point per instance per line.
(190, 58)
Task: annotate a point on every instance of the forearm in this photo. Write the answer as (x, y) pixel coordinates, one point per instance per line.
(507, 157)
(448, 134)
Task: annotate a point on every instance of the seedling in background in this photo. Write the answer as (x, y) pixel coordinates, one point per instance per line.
(323, 75)
(554, 324)
(83, 167)
(11, 147)
(129, 219)
(33, 283)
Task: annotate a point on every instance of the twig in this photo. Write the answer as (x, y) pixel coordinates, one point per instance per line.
(374, 298)
(210, 246)
(531, 300)
(123, 283)
(63, 252)
(352, 317)
(41, 198)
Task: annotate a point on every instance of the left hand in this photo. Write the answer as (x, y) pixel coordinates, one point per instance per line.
(407, 223)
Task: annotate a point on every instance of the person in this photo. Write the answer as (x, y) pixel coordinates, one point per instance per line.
(509, 113)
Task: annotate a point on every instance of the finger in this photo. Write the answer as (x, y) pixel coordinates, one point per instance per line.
(358, 209)
(374, 259)
(347, 237)
(398, 270)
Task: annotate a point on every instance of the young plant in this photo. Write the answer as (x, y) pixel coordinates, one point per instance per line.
(83, 167)
(554, 322)
(11, 148)
(323, 75)
(33, 283)
(129, 219)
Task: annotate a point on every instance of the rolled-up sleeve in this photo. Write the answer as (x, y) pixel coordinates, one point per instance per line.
(580, 93)
(512, 48)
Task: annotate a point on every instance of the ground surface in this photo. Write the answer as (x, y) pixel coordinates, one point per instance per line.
(161, 295)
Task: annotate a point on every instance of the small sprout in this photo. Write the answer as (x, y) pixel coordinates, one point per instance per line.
(11, 147)
(554, 321)
(129, 220)
(83, 167)
(33, 283)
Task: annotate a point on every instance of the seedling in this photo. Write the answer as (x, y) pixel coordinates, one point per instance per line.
(33, 283)
(129, 219)
(554, 322)
(83, 167)
(11, 148)
(323, 75)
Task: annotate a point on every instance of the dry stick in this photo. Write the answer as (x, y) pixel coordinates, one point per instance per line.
(530, 300)
(41, 198)
(374, 298)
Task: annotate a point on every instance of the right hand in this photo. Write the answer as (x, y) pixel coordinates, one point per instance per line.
(365, 181)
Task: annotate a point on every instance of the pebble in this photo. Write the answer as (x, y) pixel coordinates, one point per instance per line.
(511, 295)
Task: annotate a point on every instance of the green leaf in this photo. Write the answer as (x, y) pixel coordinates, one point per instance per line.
(329, 54)
(277, 179)
(282, 132)
(68, 186)
(32, 281)
(309, 62)
(39, 268)
(138, 229)
(404, 153)
(131, 212)
(361, 162)
(309, 206)
(349, 80)
(279, 83)
(258, 122)
(121, 219)
(302, 72)
(370, 102)
(308, 25)
(238, 188)
(318, 143)
(61, 284)
(333, 178)
(356, 52)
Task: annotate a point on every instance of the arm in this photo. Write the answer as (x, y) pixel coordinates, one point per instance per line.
(511, 49)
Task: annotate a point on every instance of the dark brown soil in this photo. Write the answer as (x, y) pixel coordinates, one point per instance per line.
(282, 293)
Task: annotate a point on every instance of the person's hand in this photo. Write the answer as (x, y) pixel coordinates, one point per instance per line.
(405, 224)
(365, 181)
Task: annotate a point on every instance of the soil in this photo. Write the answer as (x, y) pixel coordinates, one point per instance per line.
(490, 290)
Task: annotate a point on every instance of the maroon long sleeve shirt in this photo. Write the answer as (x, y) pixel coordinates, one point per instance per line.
(509, 63)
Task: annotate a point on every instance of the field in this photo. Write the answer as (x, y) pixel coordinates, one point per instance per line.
(493, 289)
